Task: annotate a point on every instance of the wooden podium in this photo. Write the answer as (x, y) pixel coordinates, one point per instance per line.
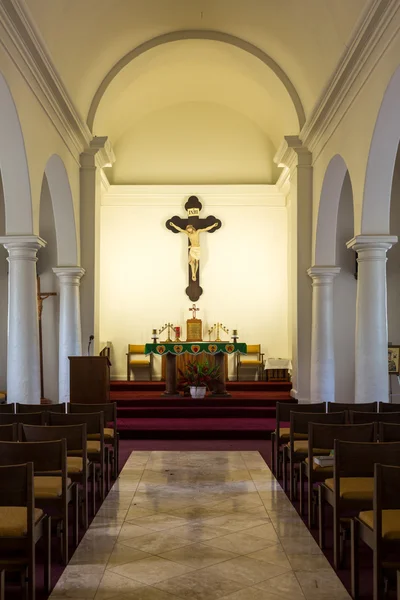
(89, 379)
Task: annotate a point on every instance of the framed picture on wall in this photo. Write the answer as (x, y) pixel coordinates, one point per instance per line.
(393, 359)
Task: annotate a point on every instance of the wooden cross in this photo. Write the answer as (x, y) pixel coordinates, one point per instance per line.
(194, 310)
(41, 296)
(193, 226)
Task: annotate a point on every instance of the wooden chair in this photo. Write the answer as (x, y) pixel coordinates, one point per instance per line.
(257, 362)
(389, 432)
(7, 408)
(321, 435)
(9, 433)
(78, 467)
(111, 435)
(352, 485)
(96, 450)
(38, 418)
(297, 449)
(366, 417)
(21, 526)
(386, 407)
(146, 362)
(379, 528)
(34, 408)
(347, 406)
(281, 434)
(52, 492)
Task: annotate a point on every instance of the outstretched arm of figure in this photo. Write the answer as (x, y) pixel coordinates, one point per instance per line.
(208, 228)
(176, 227)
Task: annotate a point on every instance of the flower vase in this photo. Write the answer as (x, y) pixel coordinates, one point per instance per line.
(198, 391)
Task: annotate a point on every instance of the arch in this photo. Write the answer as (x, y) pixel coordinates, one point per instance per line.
(216, 36)
(325, 240)
(63, 209)
(375, 216)
(14, 167)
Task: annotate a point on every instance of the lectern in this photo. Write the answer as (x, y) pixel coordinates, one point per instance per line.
(89, 379)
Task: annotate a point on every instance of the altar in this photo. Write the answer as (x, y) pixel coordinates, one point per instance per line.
(173, 349)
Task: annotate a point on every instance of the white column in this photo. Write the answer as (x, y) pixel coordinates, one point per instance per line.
(322, 384)
(371, 358)
(23, 364)
(70, 335)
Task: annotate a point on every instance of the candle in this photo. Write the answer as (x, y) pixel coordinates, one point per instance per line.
(177, 331)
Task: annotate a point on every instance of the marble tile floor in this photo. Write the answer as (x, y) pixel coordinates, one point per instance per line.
(198, 526)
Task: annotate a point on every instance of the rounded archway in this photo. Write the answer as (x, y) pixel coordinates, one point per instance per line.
(381, 162)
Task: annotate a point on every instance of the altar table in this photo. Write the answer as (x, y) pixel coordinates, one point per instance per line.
(174, 349)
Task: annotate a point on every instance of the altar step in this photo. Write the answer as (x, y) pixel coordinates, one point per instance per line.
(237, 386)
(127, 399)
(205, 411)
(197, 428)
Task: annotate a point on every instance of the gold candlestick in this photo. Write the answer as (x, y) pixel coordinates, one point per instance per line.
(168, 326)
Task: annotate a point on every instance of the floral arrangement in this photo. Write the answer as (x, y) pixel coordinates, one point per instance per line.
(198, 374)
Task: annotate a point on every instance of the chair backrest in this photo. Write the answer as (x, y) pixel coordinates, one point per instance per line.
(357, 459)
(109, 409)
(253, 348)
(385, 407)
(299, 420)
(7, 408)
(8, 433)
(94, 421)
(366, 417)
(74, 435)
(16, 489)
(283, 410)
(389, 432)
(46, 456)
(386, 488)
(363, 407)
(323, 435)
(136, 348)
(37, 418)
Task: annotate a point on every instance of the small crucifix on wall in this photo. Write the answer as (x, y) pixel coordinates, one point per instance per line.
(192, 227)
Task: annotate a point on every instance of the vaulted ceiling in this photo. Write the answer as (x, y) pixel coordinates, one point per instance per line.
(86, 38)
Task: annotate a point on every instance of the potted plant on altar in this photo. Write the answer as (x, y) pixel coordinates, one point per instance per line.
(198, 378)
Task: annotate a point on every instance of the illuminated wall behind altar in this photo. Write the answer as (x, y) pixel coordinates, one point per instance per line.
(143, 266)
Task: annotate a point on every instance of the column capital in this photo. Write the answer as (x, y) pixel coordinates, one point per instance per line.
(22, 247)
(379, 243)
(69, 275)
(323, 275)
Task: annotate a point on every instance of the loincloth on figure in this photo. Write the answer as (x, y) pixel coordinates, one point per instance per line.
(194, 252)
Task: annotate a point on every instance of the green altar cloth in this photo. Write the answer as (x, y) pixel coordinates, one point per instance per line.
(177, 348)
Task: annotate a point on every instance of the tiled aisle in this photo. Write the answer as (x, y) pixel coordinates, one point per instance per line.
(198, 526)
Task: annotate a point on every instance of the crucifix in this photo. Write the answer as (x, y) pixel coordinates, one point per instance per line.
(194, 310)
(192, 226)
(41, 296)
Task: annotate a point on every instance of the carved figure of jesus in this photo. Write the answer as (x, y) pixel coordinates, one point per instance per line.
(194, 248)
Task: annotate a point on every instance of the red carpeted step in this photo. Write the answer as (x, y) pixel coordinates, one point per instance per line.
(148, 399)
(250, 386)
(196, 412)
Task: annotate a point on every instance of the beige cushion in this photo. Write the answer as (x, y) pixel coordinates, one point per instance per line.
(108, 434)
(13, 520)
(390, 522)
(139, 363)
(75, 464)
(48, 487)
(302, 447)
(92, 447)
(285, 435)
(354, 488)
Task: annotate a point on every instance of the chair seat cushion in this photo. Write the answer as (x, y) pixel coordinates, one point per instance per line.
(92, 447)
(285, 435)
(245, 363)
(48, 487)
(390, 522)
(327, 470)
(108, 434)
(13, 520)
(354, 488)
(75, 464)
(301, 446)
(139, 363)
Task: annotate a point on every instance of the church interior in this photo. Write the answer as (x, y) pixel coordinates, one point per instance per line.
(199, 324)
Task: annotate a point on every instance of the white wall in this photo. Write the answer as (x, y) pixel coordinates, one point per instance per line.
(194, 142)
(3, 297)
(143, 266)
(393, 263)
(344, 300)
(47, 259)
